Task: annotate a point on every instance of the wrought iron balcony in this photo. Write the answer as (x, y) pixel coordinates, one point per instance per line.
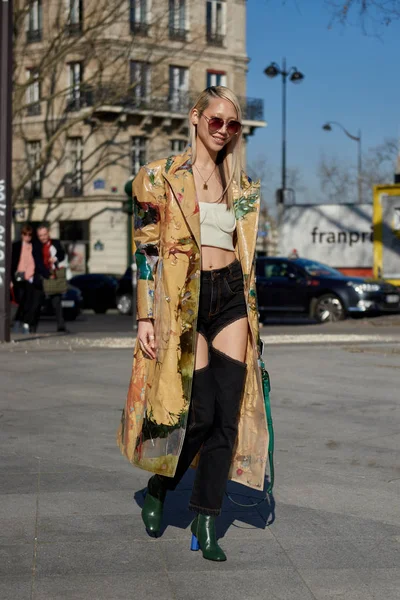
(252, 109)
(177, 102)
(177, 34)
(139, 28)
(33, 191)
(34, 109)
(74, 28)
(72, 190)
(33, 35)
(215, 39)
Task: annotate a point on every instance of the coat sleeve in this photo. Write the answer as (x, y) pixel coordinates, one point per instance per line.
(148, 196)
(60, 250)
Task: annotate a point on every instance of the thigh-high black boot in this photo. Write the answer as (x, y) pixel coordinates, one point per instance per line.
(216, 453)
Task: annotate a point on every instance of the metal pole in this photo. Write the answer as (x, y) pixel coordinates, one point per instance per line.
(359, 167)
(6, 31)
(284, 76)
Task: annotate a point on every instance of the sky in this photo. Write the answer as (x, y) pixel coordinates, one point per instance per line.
(350, 77)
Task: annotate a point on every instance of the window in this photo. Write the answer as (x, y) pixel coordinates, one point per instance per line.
(216, 78)
(216, 22)
(34, 22)
(140, 82)
(33, 92)
(74, 16)
(73, 178)
(139, 154)
(178, 146)
(75, 72)
(139, 16)
(34, 189)
(178, 88)
(276, 269)
(177, 20)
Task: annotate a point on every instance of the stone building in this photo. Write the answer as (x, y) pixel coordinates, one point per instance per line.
(100, 91)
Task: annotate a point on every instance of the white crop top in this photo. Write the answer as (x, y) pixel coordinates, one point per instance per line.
(217, 225)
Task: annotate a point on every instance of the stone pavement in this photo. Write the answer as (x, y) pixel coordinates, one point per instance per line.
(70, 524)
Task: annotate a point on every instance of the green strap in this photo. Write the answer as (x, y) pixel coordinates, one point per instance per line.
(267, 404)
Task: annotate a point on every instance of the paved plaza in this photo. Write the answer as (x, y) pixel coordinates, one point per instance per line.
(70, 523)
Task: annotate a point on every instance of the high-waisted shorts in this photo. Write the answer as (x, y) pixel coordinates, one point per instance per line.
(221, 299)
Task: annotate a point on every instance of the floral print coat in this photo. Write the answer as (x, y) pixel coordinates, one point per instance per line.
(168, 255)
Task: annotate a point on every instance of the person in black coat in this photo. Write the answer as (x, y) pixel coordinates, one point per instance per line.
(48, 254)
(25, 282)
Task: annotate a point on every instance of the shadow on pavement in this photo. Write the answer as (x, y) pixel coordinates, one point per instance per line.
(254, 510)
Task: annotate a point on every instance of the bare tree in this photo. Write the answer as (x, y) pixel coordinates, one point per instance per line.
(74, 88)
(371, 15)
(338, 180)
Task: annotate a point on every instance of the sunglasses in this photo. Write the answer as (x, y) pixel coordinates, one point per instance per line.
(216, 123)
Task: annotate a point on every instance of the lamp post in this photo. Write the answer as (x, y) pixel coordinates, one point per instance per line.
(356, 138)
(296, 77)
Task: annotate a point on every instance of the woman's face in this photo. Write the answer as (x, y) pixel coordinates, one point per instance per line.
(218, 107)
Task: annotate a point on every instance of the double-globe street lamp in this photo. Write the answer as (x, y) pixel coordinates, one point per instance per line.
(296, 77)
(356, 138)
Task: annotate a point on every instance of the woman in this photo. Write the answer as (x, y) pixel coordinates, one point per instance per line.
(196, 390)
(24, 281)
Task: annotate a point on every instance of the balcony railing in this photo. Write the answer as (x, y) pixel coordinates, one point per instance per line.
(34, 109)
(139, 28)
(74, 28)
(215, 39)
(177, 34)
(178, 102)
(72, 190)
(33, 191)
(33, 35)
(252, 109)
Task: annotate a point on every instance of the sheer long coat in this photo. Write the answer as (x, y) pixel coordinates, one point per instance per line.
(168, 258)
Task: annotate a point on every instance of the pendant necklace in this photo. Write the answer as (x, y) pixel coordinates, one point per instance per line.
(205, 181)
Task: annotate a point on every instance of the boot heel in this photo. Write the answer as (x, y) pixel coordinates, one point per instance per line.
(194, 543)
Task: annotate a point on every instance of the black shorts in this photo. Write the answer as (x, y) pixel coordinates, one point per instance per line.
(221, 299)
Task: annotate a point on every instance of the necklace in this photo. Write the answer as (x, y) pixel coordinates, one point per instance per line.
(205, 181)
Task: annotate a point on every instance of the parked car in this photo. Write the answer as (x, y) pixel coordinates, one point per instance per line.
(71, 301)
(125, 293)
(302, 286)
(98, 290)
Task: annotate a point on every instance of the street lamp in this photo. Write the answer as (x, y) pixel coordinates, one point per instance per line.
(356, 138)
(296, 77)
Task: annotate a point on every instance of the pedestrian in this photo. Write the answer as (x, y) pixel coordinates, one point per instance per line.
(196, 392)
(25, 282)
(49, 253)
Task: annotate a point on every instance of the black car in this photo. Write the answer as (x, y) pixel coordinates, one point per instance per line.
(71, 302)
(125, 293)
(98, 290)
(301, 286)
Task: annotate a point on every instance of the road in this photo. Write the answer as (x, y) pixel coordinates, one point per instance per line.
(70, 526)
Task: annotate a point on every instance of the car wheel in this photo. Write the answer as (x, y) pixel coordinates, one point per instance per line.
(328, 309)
(124, 304)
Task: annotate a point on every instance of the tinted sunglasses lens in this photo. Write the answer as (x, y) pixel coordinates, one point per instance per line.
(233, 127)
(215, 124)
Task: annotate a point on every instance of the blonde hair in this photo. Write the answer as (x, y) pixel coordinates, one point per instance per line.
(229, 158)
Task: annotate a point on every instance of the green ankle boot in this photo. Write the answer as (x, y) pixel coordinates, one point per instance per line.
(153, 506)
(205, 539)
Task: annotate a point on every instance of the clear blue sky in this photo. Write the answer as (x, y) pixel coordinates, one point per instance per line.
(350, 78)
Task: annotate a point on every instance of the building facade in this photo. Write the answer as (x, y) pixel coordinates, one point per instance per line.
(100, 91)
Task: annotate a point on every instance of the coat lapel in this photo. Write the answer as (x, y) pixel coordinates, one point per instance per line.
(181, 181)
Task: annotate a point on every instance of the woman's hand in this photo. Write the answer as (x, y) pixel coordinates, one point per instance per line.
(146, 337)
